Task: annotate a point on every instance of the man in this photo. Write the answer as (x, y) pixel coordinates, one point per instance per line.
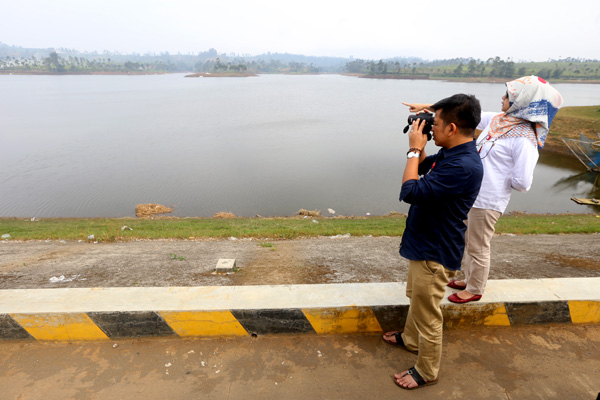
(434, 238)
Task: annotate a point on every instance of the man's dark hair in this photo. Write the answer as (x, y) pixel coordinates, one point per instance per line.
(463, 110)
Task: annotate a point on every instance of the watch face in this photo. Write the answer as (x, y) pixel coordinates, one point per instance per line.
(413, 154)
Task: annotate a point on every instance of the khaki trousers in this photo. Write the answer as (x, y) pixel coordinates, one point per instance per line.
(480, 230)
(425, 287)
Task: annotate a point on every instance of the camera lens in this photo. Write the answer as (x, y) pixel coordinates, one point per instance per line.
(427, 117)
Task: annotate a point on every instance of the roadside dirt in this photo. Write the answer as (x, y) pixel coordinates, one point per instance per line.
(59, 264)
(533, 362)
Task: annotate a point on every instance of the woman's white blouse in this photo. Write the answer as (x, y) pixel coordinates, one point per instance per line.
(508, 163)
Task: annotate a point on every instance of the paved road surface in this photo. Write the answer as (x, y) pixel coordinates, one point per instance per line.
(539, 362)
(33, 265)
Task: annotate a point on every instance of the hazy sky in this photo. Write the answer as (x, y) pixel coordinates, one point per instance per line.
(523, 30)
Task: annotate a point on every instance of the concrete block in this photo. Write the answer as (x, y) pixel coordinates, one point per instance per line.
(226, 265)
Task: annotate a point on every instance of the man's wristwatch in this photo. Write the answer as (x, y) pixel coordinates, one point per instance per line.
(413, 152)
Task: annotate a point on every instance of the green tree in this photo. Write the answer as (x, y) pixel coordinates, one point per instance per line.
(481, 68)
(472, 67)
(53, 62)
(356, 66)
(508, 69)
(556, 74)
(458, 70)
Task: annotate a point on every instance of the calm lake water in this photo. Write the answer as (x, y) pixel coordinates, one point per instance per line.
(95, 146)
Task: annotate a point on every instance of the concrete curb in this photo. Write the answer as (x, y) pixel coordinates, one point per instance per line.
(112, 313)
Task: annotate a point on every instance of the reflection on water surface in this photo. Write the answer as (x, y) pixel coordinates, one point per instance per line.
(95, 146)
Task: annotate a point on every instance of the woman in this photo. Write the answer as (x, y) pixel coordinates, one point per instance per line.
(508, 148)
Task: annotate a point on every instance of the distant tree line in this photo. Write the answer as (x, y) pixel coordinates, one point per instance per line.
(569, 68)
(23, 60)
(30, 60)
(260, 66)
(55, 63)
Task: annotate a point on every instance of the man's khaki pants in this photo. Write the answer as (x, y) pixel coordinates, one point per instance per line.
(425, 287)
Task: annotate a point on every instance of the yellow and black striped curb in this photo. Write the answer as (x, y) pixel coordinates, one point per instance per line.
(111, 313)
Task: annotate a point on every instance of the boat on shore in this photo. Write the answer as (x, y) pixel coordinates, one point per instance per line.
(586, 150)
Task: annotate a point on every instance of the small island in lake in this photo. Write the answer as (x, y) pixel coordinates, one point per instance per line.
(221, 75)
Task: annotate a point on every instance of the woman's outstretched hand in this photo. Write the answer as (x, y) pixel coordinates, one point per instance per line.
(417, 107)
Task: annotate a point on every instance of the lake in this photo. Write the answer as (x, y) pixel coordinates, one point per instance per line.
(96, 146)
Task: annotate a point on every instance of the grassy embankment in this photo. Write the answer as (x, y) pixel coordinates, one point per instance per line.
(569, 122)
(565, 71)
(109, 230)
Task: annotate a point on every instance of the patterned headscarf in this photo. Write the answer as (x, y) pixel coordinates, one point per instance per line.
(533, 104)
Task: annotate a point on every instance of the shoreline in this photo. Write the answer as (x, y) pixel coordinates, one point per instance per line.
(459, 79)
(162, 227)
(221, 75)
(80, 73)
(558, 149)
(248, 74)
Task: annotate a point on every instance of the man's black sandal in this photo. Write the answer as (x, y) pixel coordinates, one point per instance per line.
(418, 379)
(399, 342)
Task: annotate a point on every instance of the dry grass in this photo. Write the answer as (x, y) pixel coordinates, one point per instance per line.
(224, 215)
(148, 210)
(570, 121)
(309, 213)
(397, 214)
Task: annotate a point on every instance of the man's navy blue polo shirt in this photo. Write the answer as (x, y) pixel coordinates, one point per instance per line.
(440, 201)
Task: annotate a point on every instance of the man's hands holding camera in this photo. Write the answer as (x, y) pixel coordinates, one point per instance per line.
(422, 114)
(416, 141)
(416, 138)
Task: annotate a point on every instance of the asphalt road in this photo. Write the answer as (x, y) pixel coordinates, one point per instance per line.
(535, 362)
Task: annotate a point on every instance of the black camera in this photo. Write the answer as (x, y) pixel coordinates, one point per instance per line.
(427, 117)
